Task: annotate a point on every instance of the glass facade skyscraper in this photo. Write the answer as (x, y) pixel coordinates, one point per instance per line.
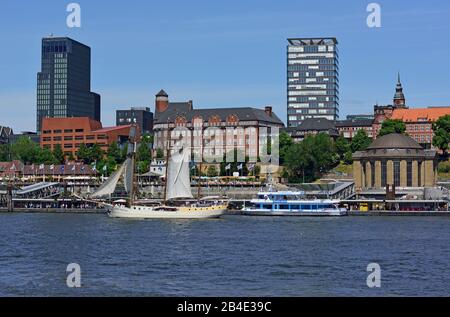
(312, 79)
(64, 82)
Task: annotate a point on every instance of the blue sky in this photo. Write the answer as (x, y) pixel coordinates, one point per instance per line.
(226, 53)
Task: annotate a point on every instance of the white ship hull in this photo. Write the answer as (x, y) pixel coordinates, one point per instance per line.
(324, 213)
(160, 212)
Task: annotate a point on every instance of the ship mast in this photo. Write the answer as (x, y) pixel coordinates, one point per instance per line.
(133, 142)
(200, 168)
(167, 160)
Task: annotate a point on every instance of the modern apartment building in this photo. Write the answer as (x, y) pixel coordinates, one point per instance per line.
(312, 79)
(64, 82)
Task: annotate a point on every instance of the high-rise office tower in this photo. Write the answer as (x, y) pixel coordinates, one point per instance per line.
(64, 82)
(312, 79)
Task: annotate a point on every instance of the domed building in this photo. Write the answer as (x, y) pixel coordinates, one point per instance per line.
(394, 159)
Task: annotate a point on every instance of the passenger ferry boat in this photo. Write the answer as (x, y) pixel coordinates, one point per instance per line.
(291, 203)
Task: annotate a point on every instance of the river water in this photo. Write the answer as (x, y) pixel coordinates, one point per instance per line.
(232, 256)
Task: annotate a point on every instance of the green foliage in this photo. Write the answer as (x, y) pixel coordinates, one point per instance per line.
(142, 167)
(45, 156)
(90, 154)
(392, 126)
(307, 160)
(360, 141)
(159, 153)
(212, 171)
(285, 142)
(144, 152)
(113, 153)
(4, 152)
(441, 130)
(444, 167)
(342, 146)
(58, 154)
(348, 159)
(25, 150)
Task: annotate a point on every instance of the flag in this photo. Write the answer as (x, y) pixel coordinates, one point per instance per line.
(73, 168)
(251, 167)
(41, 167)
(193, 167)
(32, 166)
(82, 168)
(94, 168)
(62, 168)
(52, 167)
(13, 167)
(239, 166)
(228, 167)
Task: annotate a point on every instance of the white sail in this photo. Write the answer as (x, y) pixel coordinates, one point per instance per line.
(109, 186)
(178, 184)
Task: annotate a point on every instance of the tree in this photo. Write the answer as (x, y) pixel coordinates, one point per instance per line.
(5, 153)
(441, 129)
(392, 126)
(342, 146)
(83, 153)
(45, 156)
(159, 153)
(360, 141)
(114, 152)
(58, 154)
(25, 150)
(212, 171)
(307, 160)
(95, 153)
(285, 142)
(143, 152)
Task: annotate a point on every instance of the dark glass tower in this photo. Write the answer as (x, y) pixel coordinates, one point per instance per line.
(64, 82)
(312, 79)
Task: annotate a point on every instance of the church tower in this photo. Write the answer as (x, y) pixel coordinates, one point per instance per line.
(399, 97)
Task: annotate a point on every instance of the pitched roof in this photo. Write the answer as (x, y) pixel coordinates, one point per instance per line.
(109, 129)
(316, 124)
(243, 113)
(420, 114)
(162, 93)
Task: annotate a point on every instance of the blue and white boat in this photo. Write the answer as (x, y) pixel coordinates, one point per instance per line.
(291, 203)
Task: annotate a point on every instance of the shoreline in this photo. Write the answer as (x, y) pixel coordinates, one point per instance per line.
(355, 213)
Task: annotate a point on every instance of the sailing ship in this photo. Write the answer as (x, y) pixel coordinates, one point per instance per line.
(178, 203)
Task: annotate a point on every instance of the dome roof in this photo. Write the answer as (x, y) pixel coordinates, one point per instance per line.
(394, 141)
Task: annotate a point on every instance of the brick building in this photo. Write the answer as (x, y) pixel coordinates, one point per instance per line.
(213, 130)
(70, 133)
(348, 128)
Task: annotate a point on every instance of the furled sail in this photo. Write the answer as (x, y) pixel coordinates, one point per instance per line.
(109, 186)
(128, 175)
(178, 184)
